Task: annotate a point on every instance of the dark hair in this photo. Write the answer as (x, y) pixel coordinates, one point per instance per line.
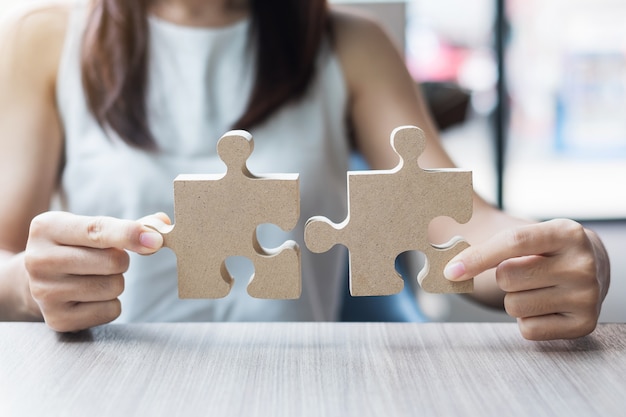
(115, 57)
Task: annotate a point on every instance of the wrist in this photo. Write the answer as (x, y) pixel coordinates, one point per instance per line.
(17, 303)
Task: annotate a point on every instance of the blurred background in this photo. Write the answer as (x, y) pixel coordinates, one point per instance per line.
(547, 138)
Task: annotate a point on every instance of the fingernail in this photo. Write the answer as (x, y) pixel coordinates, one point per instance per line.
(454, 270)
(151, 240)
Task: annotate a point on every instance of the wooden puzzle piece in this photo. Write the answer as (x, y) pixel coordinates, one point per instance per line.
(389, 212)
(216, 216)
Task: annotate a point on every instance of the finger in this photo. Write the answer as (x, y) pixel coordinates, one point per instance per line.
(77, 289)
(160, 222)
(84, 315)
(556, 326)
(60, 261)
(546, 238)
(537, 303)
(582, 301)
(99, 232)
(528, 273)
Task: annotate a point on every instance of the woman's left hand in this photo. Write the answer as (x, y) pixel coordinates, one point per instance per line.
(555, 276)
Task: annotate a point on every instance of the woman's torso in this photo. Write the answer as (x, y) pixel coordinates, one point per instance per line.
(199, 82)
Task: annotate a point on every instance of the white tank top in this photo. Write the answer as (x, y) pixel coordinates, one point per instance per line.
(199, 83)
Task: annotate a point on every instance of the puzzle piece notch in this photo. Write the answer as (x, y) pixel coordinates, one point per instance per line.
(216, 216)
(430, 278)
(389, 212)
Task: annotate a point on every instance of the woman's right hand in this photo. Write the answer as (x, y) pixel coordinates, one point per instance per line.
(76, 265)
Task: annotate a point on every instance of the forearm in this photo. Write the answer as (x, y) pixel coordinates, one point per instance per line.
(16, 303)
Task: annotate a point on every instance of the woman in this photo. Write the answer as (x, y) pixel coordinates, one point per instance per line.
(107, 101)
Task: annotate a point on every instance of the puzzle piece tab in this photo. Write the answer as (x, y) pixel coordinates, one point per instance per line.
(216, 217)
(389, 212)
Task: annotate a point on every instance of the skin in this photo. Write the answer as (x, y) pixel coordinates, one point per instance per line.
(68, 270)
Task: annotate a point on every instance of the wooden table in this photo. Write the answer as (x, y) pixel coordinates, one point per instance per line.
(309, 369)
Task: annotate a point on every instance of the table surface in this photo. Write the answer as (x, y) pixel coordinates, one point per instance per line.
(309, 369)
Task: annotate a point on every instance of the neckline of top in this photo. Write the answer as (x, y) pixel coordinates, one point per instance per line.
(199, 31)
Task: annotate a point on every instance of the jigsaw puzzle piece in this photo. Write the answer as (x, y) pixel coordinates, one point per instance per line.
(216, 218)
(374, 273)
(431, 278)
(389, 212)
(372, 269)
(197, 277)
(276, 272)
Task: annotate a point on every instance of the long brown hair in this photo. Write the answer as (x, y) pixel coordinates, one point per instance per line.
(288, 34)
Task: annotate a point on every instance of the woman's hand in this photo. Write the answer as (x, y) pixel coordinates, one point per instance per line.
(76, 265)
(555, 275)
